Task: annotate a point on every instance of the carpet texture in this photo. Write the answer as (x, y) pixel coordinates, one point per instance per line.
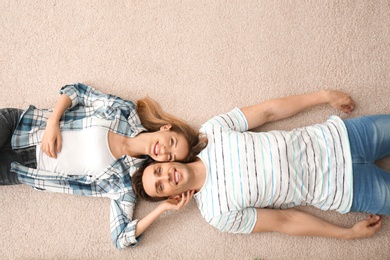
(198, 59)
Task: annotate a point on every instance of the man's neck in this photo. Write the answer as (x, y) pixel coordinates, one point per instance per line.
(199, 171)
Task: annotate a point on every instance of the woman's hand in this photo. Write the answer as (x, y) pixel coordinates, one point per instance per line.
(52, 139)
(179, 201)
(340, 101)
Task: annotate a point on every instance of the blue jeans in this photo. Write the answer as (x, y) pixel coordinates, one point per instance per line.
(369, 138)
(9, 118)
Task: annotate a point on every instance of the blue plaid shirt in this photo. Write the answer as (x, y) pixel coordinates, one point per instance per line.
(89, 108)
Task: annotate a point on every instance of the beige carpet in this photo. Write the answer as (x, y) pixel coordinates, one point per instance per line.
(198, 59)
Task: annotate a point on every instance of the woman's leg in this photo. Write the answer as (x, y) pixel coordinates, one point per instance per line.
(25, 156)
(370, 141)
(9, 118)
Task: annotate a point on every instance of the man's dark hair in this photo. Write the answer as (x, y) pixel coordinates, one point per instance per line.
(138, 185)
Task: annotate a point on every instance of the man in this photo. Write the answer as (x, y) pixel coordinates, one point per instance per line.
(247, 182)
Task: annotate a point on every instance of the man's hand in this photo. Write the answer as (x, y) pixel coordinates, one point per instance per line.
(52, 139)
(367, 227)
(179, 201)
(340, 101)
(173, 203)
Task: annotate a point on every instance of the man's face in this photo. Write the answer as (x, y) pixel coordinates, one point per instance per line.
(166, 179)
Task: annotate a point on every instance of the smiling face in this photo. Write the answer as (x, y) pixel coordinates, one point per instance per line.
(167, 145)
(166, 179)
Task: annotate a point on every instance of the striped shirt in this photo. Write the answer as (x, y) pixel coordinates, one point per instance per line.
(277, 169)
(89, 108)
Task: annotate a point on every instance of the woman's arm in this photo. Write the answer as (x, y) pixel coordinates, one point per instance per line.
(105, 105)
(276, 109)
(52, 139)
(298, 223)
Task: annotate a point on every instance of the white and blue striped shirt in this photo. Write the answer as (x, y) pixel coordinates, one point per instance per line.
(277, 169)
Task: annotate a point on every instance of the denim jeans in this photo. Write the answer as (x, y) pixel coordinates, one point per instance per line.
(9, 118)
(370, 141)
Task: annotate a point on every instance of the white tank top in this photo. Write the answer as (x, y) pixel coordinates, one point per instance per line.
(84, 152)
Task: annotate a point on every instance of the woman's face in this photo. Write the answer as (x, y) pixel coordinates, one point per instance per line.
(167, 145)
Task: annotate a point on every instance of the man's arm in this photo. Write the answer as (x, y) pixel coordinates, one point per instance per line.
(280, 108)
(298, 223)
(169, 204)
(125, 230)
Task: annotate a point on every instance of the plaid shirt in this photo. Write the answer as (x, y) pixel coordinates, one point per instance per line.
(89, 108)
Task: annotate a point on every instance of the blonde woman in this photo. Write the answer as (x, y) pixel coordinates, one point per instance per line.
(90, 144)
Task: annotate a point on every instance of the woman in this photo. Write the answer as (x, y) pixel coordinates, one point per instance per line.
(90, 144)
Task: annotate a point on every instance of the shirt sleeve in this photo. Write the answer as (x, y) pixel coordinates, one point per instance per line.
(106, 106)
(240, 221)
(122, 225)
(78, 93)
(84, 95)
(234, 120)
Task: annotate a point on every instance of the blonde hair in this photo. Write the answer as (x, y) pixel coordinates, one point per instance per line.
(153, 118)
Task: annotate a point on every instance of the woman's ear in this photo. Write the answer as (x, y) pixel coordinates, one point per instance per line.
(166, 127)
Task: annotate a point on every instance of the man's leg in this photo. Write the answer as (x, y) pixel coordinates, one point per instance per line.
(369, 137)
(370, 141)
(371, 189)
